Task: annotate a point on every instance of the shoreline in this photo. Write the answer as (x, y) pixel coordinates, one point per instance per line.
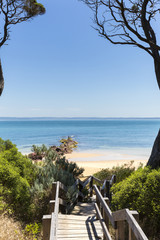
(93, 162)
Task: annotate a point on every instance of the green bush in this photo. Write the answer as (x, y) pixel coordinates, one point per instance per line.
(53, 169)
(17, 173)
(121, 172)
(22, 164)
(2, 203)
(15, 188)
(71, 167)
(32, 231)
(140, 192)
(26, 187)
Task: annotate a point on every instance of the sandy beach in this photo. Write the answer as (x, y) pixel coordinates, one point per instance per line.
(94, 162)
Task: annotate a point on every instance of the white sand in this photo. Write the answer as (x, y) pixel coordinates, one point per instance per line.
(94, 162)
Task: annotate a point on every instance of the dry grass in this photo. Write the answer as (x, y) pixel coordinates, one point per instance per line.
(10, 229)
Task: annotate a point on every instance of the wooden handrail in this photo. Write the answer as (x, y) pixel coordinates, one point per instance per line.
(118, 217)
(54, 217)
(135, 226)
(113, 179)
(104, 213)
(104, 227)
(104, 205)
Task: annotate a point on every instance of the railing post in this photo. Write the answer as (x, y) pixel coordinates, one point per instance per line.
(80, 190)
(108, 189)
(98, 202)
(53, 197)
(102, 192)
(53, 193)
(105, 217)
(131, 234)
(120, 230)
(51, 206)
(91, 187)
(46, 221)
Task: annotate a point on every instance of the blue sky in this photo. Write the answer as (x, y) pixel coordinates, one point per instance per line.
(57, 66)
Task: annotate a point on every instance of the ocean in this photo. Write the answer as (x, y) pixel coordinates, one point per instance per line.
(129, 136)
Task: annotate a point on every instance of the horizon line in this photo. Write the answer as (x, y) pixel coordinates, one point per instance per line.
(79, 117)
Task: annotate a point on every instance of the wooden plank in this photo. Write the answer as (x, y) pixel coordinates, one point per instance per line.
(120, 230)
(104, 184)
(75, 222)
(53, 192)
(81, 221)
(46, 226)
(62, 186)
(78, 231)
(81, 182)
(76, 183)
(76, 238)
(104, 215)
(104, 205)
(87, 181)
(80, 236)
(98, 201)
(54, 218)
(62, 202)
(113, 179)
(72, 226)
(140, 235)
(91, 187)
(81, 225)
(105, 230)
(80, 194)
(119, 215)
(73, 217)
(131, 233)
(53, 227)
(96, 179)
(52, 205)
(93, 220)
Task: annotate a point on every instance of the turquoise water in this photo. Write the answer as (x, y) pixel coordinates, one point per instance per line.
(136, 135)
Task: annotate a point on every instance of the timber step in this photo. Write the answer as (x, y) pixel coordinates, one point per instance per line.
(78, 227)
(84, 209)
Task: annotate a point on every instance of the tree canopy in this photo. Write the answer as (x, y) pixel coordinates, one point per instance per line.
(134, 23)
(127, 22)
(11, 13)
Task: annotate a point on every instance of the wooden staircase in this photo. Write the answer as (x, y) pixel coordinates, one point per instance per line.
(74, 227)
(89, 221)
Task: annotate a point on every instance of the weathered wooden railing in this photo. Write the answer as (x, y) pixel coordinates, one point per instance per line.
(119, 220)
(57, 204)
(125, 222)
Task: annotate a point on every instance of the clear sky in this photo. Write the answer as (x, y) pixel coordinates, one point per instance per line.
(57, 66)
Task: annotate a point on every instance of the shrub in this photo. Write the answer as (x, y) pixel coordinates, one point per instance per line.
(15, 188)
(17, 173)
(121, 172)
(40, 152)
(52, 171)
(2, 203)
(140, 192)
(32, 231)
(71, 167)
(22, 164)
